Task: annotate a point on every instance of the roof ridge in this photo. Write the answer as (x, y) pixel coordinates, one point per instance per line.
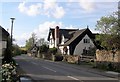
(76, 34)
(65, 29)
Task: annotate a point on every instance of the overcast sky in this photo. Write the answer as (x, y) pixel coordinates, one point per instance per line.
(39, 15)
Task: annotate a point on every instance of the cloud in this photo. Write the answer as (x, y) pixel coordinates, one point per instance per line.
(32, 10)
(49, 4)
(70, 27)
(48, 8)
(87, 5)
(71, 1)
(22, 7)
(53, 9)
(59, 12)
(41, 32)
(21, 39)
(43, 29)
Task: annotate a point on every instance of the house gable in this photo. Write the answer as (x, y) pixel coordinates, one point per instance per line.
(79, 36)
(51, 33)
(85, 44)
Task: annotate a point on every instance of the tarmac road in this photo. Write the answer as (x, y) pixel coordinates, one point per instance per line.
(42, 70)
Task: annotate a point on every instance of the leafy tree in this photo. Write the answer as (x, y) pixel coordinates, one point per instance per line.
(41, 42)
(16, 50)
(23, 50)
(31, 41)
(42, 45)
(110, 31)
(34, 38)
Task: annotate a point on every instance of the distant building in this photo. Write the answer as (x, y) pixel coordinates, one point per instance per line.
(3, 40)
(71, 41)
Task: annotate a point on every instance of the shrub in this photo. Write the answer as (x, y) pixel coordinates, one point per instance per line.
(102, 66)
(23, 52)
(58, 58)
(53, 50)
(110, 67)
(16, 50)
(43, 49)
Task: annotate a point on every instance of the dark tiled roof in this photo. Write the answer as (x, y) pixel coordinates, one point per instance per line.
(4, 32)
(67, 33)
(75, 35)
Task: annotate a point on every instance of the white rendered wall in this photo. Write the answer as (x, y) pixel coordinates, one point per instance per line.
(61, 50)
(61, 47)
(63, 40)
(51, 45)
(81, 45)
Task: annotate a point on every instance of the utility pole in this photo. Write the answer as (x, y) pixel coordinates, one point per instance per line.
(12, 29)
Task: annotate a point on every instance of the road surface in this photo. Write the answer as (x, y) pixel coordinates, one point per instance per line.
(45, 70)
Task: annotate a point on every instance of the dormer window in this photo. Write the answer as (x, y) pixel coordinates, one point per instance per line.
(86, 40)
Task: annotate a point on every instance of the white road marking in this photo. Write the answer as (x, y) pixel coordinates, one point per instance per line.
(49, 68)
(72, 77)
(111, 72)
(34, 63)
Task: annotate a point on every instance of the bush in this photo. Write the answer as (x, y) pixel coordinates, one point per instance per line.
(16, 50)
(102, 66)
(23, 52)
(110, 66)
(53, 50)
(58, 58)
(43, 49)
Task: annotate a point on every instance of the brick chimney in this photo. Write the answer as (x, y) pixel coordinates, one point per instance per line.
(56, 36)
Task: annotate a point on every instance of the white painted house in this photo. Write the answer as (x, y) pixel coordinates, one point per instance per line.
(71, 41)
